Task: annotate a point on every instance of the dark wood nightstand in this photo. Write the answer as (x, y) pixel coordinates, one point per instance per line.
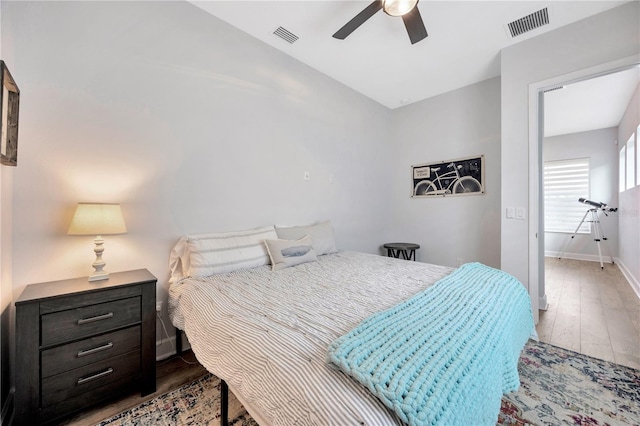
(81, 342)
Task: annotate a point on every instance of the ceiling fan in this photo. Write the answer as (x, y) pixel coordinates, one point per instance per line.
(408, 9)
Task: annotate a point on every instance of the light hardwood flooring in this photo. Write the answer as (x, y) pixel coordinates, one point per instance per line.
(591, 311)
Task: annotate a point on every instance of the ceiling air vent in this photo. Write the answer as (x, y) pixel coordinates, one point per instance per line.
(286, 35)
(529, 22)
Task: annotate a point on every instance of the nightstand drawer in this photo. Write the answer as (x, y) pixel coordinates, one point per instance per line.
(77, 354)
(77, 323)
(85, 379)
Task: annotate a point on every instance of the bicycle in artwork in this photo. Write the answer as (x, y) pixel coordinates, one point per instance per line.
(450, 178)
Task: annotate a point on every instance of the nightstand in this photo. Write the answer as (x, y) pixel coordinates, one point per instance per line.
(81, 342)
(407, 250)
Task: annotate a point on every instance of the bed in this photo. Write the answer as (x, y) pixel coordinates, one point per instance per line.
(264, 326)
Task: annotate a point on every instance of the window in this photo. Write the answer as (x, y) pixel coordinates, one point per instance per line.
(622, 171)
(631, 166)
(564, 182)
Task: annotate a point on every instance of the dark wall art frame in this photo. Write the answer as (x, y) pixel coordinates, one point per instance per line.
(9, 107)
(462, 176)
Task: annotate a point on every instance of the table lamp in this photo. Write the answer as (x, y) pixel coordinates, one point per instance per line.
(97, 219)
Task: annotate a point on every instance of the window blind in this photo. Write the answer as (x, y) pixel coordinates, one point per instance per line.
(564, 182)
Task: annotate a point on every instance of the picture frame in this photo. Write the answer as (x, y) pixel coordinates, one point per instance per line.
(462, 176)
(9, 109)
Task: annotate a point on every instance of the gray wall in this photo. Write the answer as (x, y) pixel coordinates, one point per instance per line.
(6, 292)
(609, 36)
(629, 252)
(190, 124)
(461, 123)
(600, 147)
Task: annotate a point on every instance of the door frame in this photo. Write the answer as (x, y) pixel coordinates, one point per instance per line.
(536, 137)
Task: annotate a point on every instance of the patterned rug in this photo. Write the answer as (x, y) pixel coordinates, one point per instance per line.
(558, 387)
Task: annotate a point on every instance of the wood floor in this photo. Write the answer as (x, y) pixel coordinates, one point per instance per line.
(591, 311)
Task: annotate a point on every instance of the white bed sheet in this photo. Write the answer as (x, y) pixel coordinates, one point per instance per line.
(266, 333)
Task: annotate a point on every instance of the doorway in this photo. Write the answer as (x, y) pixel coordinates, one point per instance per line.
(585, 308)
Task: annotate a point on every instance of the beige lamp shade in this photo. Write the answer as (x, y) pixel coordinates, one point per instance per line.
(97, 219)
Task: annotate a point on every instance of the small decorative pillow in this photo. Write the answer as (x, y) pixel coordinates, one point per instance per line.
(321, 234)
(286, 253)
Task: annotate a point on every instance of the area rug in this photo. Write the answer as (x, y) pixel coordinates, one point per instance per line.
(558, 387)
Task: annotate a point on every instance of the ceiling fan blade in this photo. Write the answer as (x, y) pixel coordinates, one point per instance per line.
(414, 25)
(358, 20)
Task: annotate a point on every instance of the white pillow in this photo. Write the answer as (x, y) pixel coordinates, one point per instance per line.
(321, 236)
(202, 255)
(286, 253)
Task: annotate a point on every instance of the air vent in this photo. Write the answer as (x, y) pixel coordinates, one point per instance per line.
(529, 22)
(286, 35)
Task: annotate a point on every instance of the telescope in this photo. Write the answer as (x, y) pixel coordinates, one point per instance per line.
(597, 205)
(598, 236)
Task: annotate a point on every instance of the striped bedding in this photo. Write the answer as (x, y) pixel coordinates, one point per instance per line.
(266, 333)
(408, 357)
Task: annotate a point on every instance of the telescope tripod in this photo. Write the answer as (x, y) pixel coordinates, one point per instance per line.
(597, 234)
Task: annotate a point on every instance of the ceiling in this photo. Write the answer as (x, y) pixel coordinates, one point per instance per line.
(463, 48)
(597, 103)
(378, 60)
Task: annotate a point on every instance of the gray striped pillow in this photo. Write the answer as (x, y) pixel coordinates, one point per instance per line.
(211, 254)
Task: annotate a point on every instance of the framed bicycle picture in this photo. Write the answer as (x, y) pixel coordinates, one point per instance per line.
(462, 176)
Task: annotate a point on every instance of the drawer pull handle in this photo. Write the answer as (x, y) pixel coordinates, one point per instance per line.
(94, 350)
(96, 318)
(106, 372)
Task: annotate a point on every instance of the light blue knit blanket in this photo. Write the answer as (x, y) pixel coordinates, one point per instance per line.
(447, 355)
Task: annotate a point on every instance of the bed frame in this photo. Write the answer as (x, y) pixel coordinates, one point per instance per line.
(224, 388)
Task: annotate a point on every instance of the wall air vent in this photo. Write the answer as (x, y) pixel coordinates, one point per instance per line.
(529, 22)
(286, 35)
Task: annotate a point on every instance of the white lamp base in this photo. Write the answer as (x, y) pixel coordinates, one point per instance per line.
(99, 264)
(97, 276)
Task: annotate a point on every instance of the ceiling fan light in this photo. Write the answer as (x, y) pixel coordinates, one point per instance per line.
(398, 7)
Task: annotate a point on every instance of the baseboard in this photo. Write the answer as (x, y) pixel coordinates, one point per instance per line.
(6, 418)
(633, 282)
(578, 256)
(543, 305)
(167, 347)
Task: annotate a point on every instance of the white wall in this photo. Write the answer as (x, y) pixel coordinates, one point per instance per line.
(601, 149)
(461, 123)
(606, 37)
(6, 296)
(629, 255)
(6, 289)
(190, 124)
